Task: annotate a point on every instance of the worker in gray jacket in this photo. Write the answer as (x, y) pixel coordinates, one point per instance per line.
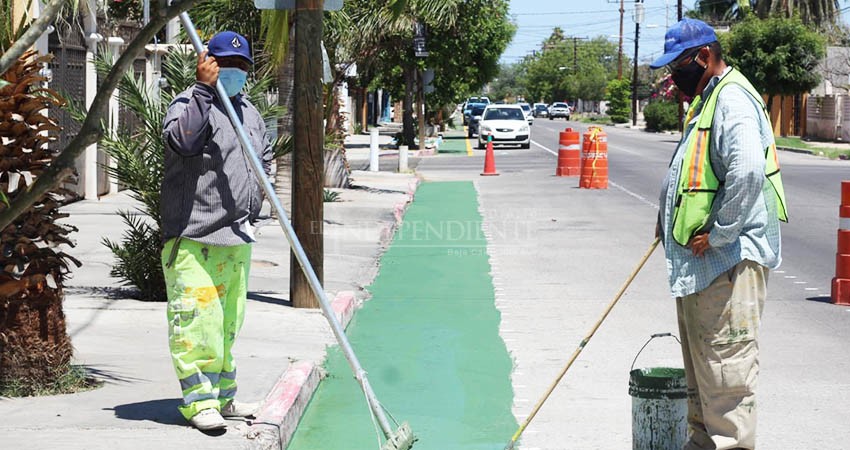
(209, 198)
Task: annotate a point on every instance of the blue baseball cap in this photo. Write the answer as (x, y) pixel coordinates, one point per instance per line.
(230, 43)
(684, 35)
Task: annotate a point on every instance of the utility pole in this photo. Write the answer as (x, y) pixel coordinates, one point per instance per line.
(575, 55)
(308, 171)
(620, 52)
(638, 18)
(420, 107)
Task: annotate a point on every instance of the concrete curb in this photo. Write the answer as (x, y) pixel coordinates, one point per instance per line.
(796, 150)
(283, 407)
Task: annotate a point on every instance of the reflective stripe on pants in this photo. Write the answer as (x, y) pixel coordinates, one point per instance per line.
(206, 287)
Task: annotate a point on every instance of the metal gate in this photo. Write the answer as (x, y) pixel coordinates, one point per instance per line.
(68, 47)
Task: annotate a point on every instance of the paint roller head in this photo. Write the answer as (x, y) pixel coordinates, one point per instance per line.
(402, 439)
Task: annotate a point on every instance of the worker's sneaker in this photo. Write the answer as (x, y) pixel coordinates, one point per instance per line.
(239, 409)
(207, 420)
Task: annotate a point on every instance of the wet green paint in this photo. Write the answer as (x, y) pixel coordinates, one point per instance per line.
(428, 338)
(658, 383)
(455, 142)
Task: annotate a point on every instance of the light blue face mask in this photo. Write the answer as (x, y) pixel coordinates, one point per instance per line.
(233, 79)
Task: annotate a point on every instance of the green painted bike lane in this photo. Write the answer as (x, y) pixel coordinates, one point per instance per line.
(428, 337)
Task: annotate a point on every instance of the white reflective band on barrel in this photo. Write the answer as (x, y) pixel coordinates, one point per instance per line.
(844, 223)
(569, 147)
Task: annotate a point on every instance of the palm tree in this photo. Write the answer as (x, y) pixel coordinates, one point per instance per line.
(35, 350)
(721, 11)
(820, 13)
(824, 14)
(388, 28)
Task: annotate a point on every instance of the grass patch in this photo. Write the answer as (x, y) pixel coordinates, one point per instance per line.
(797, 143)
(595, 119)
(73, 379)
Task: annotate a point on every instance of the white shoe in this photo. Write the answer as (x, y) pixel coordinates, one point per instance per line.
(207, 420)
(239, 409)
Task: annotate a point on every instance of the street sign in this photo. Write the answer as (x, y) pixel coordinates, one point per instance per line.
(419, 34)
(419, 47)
(330, 5)
(428, 80)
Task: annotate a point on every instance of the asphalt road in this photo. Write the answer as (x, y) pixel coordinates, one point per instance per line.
(558, 254)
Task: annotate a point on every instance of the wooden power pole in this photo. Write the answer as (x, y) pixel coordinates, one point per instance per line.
(308, 171)
(620, 52)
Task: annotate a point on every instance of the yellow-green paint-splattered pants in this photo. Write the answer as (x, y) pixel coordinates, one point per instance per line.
(206, 287)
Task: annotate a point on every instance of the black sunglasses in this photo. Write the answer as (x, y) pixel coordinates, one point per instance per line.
(682, 61)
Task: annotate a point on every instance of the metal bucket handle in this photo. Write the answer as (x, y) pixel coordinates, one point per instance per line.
(656, 335)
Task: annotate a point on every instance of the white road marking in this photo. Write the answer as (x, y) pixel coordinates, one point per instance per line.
(635, 195)
(779, 271)
(545, 148)
(790, 277)
(812, 289)
(801, 282)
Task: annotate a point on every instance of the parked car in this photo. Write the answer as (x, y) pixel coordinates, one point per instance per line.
(526, 109)
(467, 111)
(475, 119)
(540, 110)
(506, 124)
(559, 109)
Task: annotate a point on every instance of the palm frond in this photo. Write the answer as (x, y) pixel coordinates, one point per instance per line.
(275, 32)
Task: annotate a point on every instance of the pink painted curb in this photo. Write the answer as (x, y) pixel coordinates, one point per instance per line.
(343, 305)
(282, 409)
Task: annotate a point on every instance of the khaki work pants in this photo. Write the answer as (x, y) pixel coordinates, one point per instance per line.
(719, 329)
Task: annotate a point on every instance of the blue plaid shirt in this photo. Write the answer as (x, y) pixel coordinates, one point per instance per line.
(743, 218)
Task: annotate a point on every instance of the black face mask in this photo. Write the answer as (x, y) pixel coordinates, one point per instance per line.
(687, 78)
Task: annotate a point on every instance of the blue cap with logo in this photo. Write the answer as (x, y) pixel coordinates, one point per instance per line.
(684, 35)
(230, 43)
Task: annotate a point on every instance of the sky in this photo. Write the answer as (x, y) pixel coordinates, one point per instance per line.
(593, 18)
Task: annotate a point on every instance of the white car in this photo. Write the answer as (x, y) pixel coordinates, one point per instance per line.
(506, 124)
(560, 109)
(529, 113)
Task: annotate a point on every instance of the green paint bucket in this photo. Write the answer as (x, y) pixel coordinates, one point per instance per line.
(659, 406)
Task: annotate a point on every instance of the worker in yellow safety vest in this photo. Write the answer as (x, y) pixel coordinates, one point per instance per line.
(720, 208)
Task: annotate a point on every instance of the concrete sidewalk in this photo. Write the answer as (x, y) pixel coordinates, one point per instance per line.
(123, 342)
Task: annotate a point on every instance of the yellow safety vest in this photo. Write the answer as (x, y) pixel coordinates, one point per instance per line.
(698, 184)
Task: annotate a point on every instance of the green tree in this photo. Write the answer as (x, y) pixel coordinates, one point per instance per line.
(777, 55)
(569, 69)
(507, 85)
(617, 94)
(465, 56)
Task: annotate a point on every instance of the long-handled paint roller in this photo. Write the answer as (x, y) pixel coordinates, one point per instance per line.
(399, 439)
(581, 345)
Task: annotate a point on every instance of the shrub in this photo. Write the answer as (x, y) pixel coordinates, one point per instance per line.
(661, 116)
(617, 94)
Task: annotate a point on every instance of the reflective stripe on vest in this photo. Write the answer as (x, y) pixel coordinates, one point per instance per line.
(698, 184)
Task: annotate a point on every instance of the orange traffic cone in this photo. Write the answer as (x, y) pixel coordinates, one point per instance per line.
(489, 159)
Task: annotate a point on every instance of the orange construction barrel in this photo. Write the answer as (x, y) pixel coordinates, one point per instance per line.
(594, 160)
(569, 154)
